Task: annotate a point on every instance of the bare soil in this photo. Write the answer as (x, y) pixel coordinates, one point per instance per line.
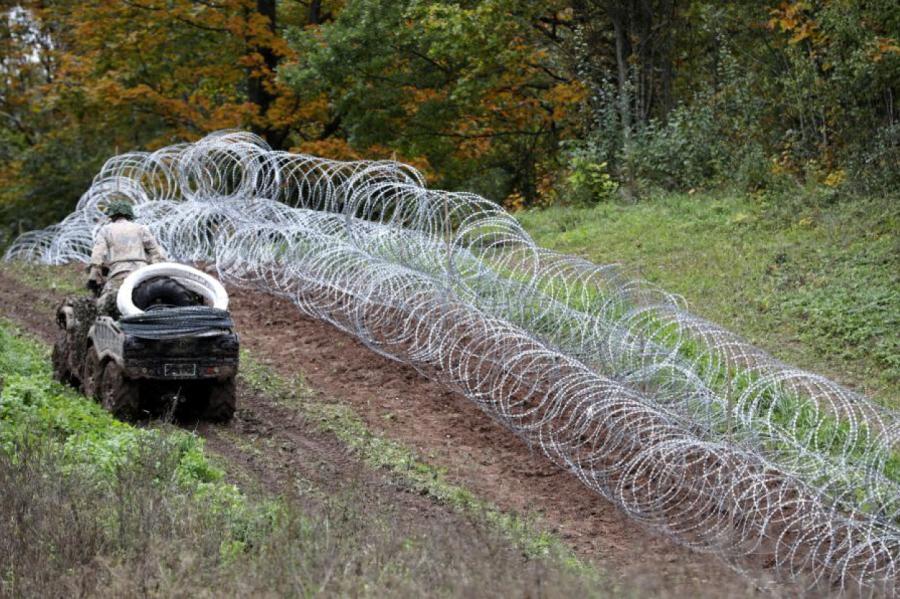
(277, 448)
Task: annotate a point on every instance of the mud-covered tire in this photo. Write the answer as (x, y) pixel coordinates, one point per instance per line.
(222, 401)
(91, 373)
(119, 395)
(60, 360)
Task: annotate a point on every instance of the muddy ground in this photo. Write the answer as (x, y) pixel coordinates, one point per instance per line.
(277, 448)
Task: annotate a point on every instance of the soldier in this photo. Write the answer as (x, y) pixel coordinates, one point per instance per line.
(121, 247)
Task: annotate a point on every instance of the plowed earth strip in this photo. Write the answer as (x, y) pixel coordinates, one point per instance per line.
(445, 429)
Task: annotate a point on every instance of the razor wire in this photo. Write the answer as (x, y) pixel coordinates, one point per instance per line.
(688, 428)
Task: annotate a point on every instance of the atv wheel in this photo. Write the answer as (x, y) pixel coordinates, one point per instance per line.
(119, 395)
(90, 375)
(60, 360)
(222, 401)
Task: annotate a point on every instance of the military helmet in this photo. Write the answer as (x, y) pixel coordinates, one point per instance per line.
(120, 208)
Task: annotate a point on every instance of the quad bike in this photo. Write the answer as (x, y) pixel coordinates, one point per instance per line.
(171, 350)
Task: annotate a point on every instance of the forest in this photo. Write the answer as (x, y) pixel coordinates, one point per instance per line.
(528, 103)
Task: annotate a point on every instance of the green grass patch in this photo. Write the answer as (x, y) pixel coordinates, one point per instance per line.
(33, 406)
(815, 284)
(63, 279)
(739, 251)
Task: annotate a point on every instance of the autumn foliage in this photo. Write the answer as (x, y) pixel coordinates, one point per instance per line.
(526, 102)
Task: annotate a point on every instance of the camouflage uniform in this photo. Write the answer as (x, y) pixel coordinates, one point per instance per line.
(123, 247)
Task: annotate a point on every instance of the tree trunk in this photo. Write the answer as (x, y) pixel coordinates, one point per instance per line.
(623, 50)
(260, 85)
(315, 12)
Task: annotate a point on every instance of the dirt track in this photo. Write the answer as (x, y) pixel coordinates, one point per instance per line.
(445, 429)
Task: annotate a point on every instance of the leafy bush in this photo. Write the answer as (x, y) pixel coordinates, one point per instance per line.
(683, 152)
(874, 165)
(588, 181)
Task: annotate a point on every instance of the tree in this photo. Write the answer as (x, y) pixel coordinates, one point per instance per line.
(83, 79)
(471, 88)
(509, 98)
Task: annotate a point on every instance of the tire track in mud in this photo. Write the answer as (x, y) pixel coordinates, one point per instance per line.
(279, 449)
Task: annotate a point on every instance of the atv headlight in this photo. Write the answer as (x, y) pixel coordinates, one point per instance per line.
(228, 342)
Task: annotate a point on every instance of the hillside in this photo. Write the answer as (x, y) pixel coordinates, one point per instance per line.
(319, 411)
(814, 281)
(357, 476)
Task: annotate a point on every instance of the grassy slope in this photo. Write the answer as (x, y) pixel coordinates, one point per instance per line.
(118, 510)
(817, 286)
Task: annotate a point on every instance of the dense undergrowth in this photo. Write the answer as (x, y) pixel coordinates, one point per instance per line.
(93, 506)
(812, 278)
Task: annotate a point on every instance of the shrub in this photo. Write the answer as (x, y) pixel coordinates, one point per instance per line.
(683, 152)
(588, 180)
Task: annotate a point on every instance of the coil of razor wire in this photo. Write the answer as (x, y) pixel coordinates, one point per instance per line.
(688, 428)
(176, 322)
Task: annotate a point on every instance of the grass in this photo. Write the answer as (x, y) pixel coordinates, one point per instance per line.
(718, 250)
(814, 283)
(108, 509)
(34, 407)
(62, 279)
